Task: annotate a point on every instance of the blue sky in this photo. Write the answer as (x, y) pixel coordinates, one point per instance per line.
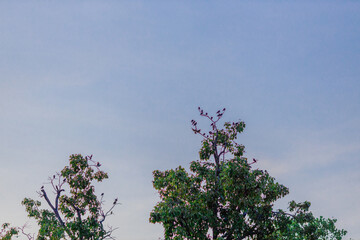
(122, 79)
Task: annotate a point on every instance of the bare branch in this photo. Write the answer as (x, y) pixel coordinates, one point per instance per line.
(27, 235)
(55, 209)
(109, 212)
(254, 161)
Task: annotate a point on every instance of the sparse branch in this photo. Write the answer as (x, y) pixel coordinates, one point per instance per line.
(95, 164)
(109, 212)
(196, 130)
(109, 232)
(254, 161)
(27, 235)
(55, 209)
(218, 114)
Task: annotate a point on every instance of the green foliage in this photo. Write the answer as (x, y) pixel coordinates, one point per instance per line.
(6, 232)
(50, 227)
(223, 197)
(300, 224)
(76, 212)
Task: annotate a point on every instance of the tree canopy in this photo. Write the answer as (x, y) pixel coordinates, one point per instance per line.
(221, 197)
(76, 213)
(224, 197)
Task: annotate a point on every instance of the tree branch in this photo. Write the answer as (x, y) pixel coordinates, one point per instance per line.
(55, 209)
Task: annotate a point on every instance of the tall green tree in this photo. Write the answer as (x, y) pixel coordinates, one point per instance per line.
(223, 197)
(75, 212)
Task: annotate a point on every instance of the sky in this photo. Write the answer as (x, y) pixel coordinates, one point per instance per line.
(122, 80)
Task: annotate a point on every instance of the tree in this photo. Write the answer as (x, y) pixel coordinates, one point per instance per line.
(6, 232)
(76, 212)
(223, 197)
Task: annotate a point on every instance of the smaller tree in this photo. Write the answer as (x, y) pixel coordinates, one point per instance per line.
(76, 212)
